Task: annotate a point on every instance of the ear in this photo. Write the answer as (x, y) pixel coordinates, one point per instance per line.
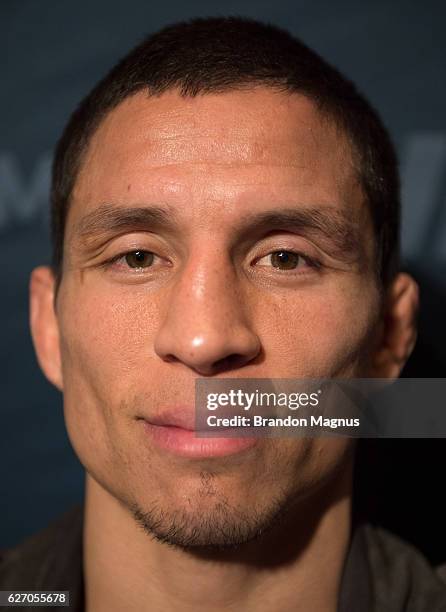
(398, 331)
(44, 324)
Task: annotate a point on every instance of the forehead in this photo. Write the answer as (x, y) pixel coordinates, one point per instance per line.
(240, 148)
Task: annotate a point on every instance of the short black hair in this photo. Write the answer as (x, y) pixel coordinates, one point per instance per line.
(220, 54)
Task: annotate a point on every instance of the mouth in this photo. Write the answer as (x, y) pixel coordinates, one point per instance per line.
(174, 431)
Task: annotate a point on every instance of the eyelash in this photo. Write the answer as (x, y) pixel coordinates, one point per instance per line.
(310, 262)
(109, 262)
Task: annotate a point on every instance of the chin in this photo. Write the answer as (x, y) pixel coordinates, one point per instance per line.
(207, 523)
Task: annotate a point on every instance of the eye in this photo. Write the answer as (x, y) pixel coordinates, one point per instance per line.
(284, 260)
(139, 259)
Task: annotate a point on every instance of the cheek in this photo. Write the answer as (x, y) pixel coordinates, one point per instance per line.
(106, 353)
(322, 334)
(107, 340)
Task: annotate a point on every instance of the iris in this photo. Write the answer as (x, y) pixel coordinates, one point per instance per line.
(139, 259)
(285, 260)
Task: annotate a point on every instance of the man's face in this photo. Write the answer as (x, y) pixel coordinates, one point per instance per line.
(218, 297)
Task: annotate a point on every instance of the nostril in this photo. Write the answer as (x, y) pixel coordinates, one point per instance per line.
(170, 358)
(229, 362)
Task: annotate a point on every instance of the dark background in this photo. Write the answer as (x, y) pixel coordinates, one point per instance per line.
(52, 52)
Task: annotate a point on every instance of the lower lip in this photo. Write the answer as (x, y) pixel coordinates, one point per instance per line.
(185, 443)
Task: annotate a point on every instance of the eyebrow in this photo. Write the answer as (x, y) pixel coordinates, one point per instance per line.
(326, 222)
(331, 225)
(108, 218)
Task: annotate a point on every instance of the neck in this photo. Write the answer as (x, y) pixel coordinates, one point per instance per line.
(297, 566)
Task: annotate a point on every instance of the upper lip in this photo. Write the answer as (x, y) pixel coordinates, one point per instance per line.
(175, 416)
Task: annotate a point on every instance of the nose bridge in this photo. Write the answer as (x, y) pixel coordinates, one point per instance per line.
(205, 321)
(211, 285)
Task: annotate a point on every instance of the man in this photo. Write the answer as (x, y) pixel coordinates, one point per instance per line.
(224, 205)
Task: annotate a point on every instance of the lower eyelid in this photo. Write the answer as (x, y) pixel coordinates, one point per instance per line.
(155, 263)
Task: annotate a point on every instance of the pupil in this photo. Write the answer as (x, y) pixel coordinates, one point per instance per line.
(284, 259)
(139, 259)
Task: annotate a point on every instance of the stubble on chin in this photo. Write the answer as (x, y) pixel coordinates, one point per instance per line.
(209, 521)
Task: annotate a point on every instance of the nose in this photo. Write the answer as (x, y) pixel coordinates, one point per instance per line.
(206, 327)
